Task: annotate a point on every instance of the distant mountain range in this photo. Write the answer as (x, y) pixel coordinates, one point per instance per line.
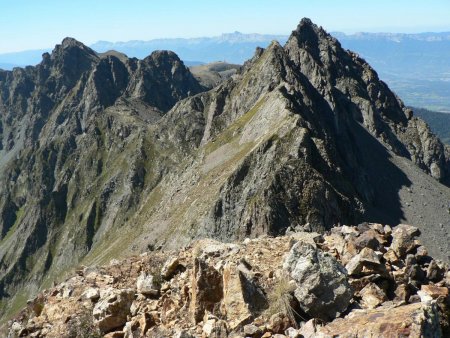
(22, 59)
(231, 47)
(416, 66)
(234, 47)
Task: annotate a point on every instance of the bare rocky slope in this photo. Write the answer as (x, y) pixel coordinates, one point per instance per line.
(212, 74)
(103, 156)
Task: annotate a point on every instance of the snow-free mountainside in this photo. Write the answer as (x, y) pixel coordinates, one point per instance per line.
(104, 156)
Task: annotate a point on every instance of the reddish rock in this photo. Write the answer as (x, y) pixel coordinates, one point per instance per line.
(391, 257)
(403, 239)
(112, 309)
(234, 304)
(372, 296)
(435, 291)
(413, 321)
(206, 289)
(369, 239)
(279, 323)
(170, 267)
(402, 293)
(146, 322)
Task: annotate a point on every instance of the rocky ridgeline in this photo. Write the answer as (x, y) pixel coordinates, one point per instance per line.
(368, 280)
(103, 156)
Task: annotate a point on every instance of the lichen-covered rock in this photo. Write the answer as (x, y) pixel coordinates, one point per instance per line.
(206, 289)
(403, 237)
(147, 285)
(323, 290)
(92, 294)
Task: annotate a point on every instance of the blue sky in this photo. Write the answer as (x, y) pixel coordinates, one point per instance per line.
(34, 24)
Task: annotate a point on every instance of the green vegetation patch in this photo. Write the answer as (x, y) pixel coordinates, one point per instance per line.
(19, 217)
(229, 134)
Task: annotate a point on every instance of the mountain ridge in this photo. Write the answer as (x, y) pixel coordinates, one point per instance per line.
(127, 155)
(414, 65)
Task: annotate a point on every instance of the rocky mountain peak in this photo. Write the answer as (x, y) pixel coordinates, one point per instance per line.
(313, 39)
(69, 61)
(68, 42)
(71, 47)
(305, 136)
(163, 56)
(162, 79)
(307, 31)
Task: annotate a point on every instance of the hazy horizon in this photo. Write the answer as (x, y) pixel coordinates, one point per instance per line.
(40, 25)
(286, 34)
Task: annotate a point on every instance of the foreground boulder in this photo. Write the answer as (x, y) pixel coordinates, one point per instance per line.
(113, 308)
(403, 239)
(242, 299)
(206, 289)
(147, 285)
(414, 321)
(323, 290)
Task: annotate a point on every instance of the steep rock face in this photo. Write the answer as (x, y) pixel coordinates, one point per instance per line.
(305, 134)
(76, 153)
(345, 80)
(108, 158)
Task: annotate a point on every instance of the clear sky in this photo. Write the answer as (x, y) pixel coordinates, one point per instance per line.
(35, 24)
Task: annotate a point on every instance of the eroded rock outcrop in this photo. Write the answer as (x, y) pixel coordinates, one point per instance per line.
(268, 287)
(413, 320)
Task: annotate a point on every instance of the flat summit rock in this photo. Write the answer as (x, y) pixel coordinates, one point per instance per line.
(322, 289)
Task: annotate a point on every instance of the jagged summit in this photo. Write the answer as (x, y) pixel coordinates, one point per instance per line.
(73, 47)
(310, 35)
(69, 42)
(164, 55)
(306, 25)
